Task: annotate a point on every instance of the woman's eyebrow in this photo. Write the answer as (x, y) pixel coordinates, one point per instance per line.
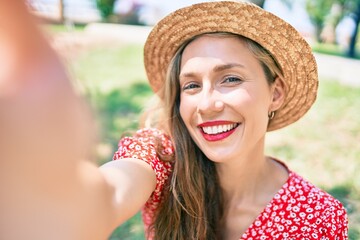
(187, 75)
(217, 68)
(222, 67)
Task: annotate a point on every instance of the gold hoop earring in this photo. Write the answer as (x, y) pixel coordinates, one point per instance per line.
(271, 115)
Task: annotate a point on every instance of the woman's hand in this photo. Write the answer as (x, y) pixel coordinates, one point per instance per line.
(48, 186)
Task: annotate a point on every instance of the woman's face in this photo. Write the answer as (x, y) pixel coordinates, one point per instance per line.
(225, 97)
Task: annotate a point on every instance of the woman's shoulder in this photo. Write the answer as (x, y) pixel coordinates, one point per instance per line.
(299, 189)
(318, 208)
(151, 140)
(302, 189)
(150, 132)
(148, 135)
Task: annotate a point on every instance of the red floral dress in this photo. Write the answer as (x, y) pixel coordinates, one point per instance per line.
(299, 210)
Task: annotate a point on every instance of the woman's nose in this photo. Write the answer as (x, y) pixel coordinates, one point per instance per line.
(210, 102)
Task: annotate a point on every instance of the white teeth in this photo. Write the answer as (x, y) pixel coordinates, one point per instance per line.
(219, 129)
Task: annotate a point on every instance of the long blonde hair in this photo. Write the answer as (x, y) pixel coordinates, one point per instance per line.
(192, 206)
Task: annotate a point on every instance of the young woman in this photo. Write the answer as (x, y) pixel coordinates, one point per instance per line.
(225, 74)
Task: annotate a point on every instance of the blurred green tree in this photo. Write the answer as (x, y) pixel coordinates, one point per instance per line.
(105, 7)
(318, 12)
(326, 14)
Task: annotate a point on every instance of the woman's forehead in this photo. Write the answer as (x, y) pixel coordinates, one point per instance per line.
(229, 50)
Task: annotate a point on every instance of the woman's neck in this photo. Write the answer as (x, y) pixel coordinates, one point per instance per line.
(247, 188)
(254, 179)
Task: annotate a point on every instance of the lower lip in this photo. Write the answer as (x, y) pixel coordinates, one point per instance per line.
(217, 137)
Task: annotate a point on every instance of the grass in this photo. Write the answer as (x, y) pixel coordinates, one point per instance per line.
(322, 147)
(113, 80)
(131, 230)
(106, 68)
(59, 28)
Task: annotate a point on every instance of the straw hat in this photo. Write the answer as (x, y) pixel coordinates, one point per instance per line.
(286, 45)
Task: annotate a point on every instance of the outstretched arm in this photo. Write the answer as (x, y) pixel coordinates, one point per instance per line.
(48, 186)
(132, 181)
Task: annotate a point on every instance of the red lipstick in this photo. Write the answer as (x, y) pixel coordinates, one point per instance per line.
(217, 136)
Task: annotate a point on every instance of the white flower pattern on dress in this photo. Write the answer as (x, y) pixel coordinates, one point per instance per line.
(299, 211)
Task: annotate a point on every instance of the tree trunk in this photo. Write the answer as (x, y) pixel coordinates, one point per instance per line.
(260, 3)
(61, 11)
(352, 47)
(318, 29)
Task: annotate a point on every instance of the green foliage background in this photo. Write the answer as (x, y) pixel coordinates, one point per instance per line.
(105, 7)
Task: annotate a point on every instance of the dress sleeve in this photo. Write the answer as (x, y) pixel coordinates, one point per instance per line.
(143, 146)
(335, 221)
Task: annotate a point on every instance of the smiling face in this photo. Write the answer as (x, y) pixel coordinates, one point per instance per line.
(225, 97)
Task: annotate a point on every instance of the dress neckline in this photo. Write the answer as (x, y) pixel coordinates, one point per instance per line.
(267, 209)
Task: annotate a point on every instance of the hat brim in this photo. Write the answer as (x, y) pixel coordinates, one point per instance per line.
(288, 47)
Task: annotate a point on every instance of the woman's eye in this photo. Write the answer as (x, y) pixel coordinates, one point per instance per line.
(190, 86)
(232, 80)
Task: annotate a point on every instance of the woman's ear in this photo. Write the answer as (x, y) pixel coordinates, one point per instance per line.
(278, 94)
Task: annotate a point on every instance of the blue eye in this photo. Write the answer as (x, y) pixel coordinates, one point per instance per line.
(232, 80)
(190, 86)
